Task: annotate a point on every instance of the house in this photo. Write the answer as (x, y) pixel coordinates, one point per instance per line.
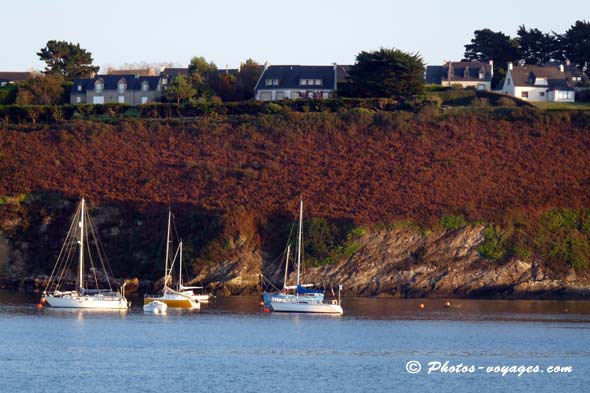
(475, 74)
(551, 82)
(279, 82)
(123, 89)
(10, 77)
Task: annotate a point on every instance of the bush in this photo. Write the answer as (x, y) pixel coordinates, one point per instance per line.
(492, 246)
(450, 221)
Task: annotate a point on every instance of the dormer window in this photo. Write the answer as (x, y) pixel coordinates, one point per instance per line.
(144, 86)
(466, 73)
(540, 81)
(310, 82)
(121, 86)
(482, 73)
(271, 82)
(98, 86)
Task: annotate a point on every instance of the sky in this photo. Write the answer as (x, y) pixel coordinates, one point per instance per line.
(280, 32)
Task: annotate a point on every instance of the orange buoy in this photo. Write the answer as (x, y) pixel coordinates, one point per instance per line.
(448, 304)
(261, 303)
(39, 306)
(421, 305)
(43, 300)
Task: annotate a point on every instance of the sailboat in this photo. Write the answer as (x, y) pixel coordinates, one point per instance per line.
(304, 299)
(82, 297)
(197, 293)
(172, 298)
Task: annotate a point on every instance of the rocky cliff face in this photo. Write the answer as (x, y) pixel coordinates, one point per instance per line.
(405, 262)
(402, 261)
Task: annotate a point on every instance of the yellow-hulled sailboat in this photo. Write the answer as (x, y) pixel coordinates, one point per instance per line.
(172, 298)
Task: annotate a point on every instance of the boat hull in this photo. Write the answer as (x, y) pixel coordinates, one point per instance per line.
(319, 308)
(156, 307)
(96, 302)
(174, 302)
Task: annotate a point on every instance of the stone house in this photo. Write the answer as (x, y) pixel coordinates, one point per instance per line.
(123, 89)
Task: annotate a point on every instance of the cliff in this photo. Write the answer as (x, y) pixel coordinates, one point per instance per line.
(498, 202)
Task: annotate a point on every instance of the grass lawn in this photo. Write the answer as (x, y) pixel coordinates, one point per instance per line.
(584, 106)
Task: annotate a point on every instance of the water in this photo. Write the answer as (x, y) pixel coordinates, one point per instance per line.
(230, 345)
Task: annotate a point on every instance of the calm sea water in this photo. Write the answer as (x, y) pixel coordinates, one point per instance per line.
(231, 346)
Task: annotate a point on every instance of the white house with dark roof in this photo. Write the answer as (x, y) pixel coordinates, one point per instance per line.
(474, 74)
(554, 83)
(279, 82)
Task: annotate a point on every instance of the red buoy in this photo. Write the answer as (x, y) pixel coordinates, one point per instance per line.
(266, 310)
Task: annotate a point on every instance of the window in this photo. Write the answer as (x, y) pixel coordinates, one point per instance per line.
(121, 99)
(303, 82)
(481, 86)
(78, 100)
(79, 87)
(540, 81)
(280, 95)
(164, 81)
(318, 82)
(266, 96)
(294, 95)
(98, 87)
(271, 82)
(144, 86)
(576, 78)
(143, 100)
(121, 86)
(508, 81)
(482, 74)
(542, 94)
(524, 94)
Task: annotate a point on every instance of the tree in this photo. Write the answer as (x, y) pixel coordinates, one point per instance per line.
(387, 73)
(247, 78)
(203, 76)
(180, 89)
(41, 90)
(490, 45)
(67, 59)
(536, 47)
(576, 44)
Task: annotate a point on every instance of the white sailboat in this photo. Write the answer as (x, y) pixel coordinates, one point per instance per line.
(303, 300)
(82, 297)
(196, 293)
(172, 298)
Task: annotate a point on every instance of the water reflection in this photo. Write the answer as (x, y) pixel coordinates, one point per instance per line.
(354, 308)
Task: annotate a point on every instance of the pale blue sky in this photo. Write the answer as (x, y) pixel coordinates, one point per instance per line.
(281, 32)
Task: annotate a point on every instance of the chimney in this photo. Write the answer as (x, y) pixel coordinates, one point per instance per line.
(266, 64)
(567, 62)
(335, 76)
(561, 68)
(491, 62)
(510, 66)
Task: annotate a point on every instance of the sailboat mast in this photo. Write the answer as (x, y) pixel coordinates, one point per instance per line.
(167, 250)
(180, 267)
(299, 246)
(81, 260)
(286, 266)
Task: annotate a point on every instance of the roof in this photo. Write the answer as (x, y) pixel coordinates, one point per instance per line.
(556, 79)
(434, 75)
(140, 71)
(111, 81)
(174, 71)
(289, 76)
(464, 71)
(15, 76)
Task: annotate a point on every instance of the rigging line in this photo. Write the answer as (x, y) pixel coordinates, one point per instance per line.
(73, 245)
(61, 251)
(101, 253)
